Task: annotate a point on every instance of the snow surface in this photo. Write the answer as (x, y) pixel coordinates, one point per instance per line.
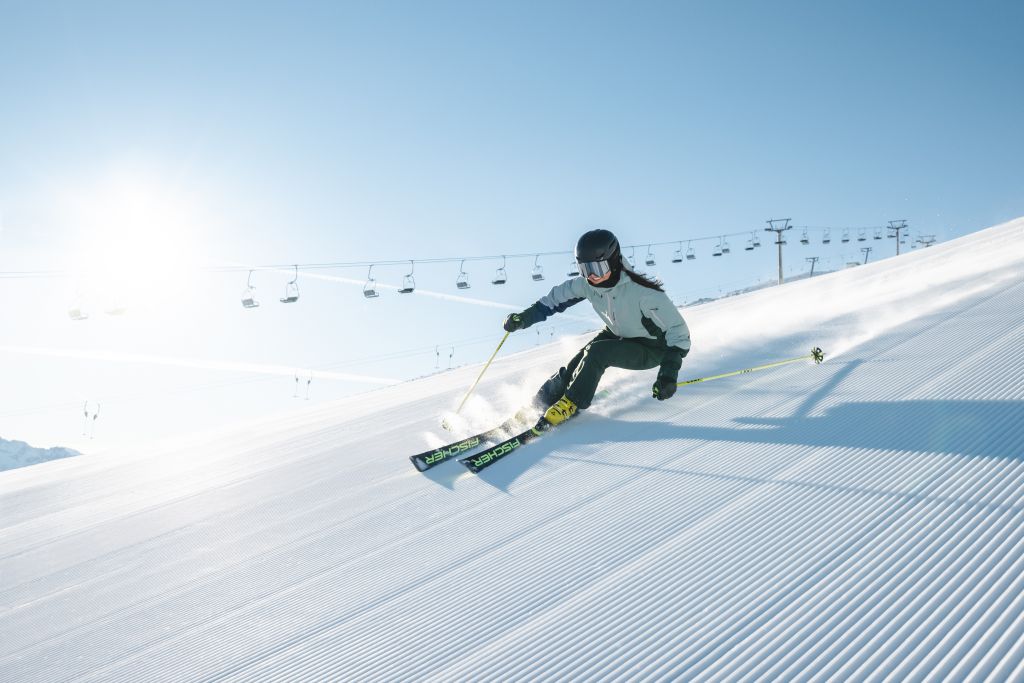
(858, 520)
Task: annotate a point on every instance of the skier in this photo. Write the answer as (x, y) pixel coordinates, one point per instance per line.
(643, 328)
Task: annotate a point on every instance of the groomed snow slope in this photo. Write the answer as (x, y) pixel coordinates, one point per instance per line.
(858, 520)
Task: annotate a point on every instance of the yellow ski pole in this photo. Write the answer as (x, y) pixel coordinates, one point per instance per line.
(816, 355)
(444, 423)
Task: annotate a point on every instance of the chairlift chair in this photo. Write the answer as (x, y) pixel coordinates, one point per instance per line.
(725, 246)
(462, 281)
(650, 257)
(409, 282)
(805, 238)
(861, 237)
(750, 245)
(827, 237)
(291, 290)
(757, 240)
(690, 253)
(538, 270)
(370, 288)
(500, 276)
(846, 236)
(574, 269)
(631, 259)
(678, 256)
(718, 250)
(249, 295)
(878, 233)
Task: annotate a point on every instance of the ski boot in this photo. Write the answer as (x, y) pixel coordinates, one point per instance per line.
(561, 411)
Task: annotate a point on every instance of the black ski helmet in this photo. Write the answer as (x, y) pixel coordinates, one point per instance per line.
(599, 245)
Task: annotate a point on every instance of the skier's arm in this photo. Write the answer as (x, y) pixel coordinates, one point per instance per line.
(660, 310)
(560, 297)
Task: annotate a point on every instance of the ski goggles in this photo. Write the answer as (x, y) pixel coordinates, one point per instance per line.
(596, 268)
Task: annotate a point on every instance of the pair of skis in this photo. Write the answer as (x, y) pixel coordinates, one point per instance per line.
(478, 461)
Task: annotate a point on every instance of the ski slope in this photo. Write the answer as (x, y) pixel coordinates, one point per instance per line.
(858, 520)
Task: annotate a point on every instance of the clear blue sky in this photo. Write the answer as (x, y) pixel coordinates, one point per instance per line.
(137, 136)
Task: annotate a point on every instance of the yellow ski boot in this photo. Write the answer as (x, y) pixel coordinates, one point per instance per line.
(561, 411)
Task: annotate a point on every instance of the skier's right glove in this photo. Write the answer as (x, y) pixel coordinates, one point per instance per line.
(513, 322)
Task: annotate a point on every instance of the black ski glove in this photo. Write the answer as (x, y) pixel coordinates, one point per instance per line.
(513, 322)
(668, 374)
(664, 387)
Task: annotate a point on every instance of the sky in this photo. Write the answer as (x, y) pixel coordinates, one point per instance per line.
(150, 154)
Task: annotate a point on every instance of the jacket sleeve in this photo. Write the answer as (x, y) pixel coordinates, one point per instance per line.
(660, 309)
(560, 297)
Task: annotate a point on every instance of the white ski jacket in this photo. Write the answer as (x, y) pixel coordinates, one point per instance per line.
(630, 310)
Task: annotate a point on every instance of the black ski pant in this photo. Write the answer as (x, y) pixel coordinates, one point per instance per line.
(579, 378)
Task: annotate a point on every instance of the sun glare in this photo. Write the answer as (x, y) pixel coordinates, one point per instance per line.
(135, 237)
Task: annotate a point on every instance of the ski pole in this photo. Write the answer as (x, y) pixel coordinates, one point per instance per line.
(816, 354)
(487, 365)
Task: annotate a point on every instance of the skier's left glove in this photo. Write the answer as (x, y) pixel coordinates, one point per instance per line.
(668, 373)
(664, 387)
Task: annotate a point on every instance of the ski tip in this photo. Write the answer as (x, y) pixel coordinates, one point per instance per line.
(418, 464)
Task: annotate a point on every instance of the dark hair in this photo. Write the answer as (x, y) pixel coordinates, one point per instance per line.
(642, 280)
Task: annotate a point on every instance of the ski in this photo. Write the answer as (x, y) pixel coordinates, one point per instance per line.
(427, 459)
(478, 461)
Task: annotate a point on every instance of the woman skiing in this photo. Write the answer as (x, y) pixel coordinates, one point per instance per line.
(643, 328)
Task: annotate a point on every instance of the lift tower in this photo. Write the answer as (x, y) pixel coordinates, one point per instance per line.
(897, 226)
(784, 222)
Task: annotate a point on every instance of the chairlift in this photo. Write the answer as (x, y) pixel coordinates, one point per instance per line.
(878, 233)
(846, 236)
(718, 249)
(650, 257)
(678, 256)
(690, 253)
(538, 270)
(249, 295)
(827, 237)
(500, 276)
(291, 290)
(574, 269)
(462, 281)
(409, 282)
(805, 238)
(750, 244)
(631, 259)
(757, 240)
(370, 288)
(861, 237)
(725, 246)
